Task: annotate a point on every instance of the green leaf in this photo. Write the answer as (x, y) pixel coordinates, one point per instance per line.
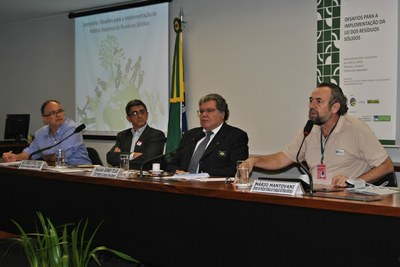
(51, 247)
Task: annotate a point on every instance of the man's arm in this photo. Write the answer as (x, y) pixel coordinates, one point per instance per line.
(370, 176)
(113, 155)
(10, 157)
(269, 162)
(153, 147)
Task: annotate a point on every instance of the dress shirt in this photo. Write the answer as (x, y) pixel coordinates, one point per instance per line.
(215, 131)
(150, 144)
(74, 149)
(136, 135)
(228, 145)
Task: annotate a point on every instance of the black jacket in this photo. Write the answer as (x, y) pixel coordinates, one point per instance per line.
(150, 143)
(226, 148)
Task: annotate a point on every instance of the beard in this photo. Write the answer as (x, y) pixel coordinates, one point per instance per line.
(313, 115)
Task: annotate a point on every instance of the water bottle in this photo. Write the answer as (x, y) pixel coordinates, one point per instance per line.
(60, 158)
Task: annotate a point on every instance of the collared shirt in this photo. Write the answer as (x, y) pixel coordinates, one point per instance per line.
(351, 150)
(136, 135)
(215, 131)
(73, 147)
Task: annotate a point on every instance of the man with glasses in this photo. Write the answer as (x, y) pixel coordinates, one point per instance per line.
(57, 127)
(141, 141)
(213, 148)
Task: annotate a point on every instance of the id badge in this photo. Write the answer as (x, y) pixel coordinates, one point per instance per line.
(321, 172)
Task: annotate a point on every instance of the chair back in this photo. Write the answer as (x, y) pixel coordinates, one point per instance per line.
(94, 156)
(390, 178)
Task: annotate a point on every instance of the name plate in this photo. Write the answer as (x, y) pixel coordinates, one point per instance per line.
(32, 165)
(277, 187)
(106, 172)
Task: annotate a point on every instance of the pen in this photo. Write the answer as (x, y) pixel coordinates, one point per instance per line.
(7, 152)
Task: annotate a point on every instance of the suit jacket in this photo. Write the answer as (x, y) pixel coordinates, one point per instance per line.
(150, 143)
(228, 146)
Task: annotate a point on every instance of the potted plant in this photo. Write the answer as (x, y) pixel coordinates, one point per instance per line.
(65, 246)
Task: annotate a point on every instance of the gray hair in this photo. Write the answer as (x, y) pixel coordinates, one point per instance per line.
(220, 102)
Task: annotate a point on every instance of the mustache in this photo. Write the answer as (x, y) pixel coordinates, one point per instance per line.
(313, 115)
(312, 110)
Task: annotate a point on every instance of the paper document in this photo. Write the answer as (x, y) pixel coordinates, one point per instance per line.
(191, 176)
(222, 179)
(14, 163)
(66, 169)
(87, 166)
(375, 190)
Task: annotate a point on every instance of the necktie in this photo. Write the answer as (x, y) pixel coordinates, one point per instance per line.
(194, 162)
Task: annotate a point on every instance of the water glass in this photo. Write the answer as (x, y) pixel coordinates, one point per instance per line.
(242, 176)
(124, 162)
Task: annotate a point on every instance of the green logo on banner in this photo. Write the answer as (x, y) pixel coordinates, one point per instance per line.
(382, 118)
(328, 35)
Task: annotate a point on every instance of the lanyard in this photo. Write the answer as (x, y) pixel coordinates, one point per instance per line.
(323, 144)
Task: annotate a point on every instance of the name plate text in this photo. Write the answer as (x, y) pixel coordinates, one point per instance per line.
(277, 187)
(106, 172)
(32, 165)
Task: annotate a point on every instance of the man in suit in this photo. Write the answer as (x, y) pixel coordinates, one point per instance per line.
(141, 141)
(224, 144)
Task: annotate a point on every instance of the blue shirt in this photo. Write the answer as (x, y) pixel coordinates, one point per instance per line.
(74, 149)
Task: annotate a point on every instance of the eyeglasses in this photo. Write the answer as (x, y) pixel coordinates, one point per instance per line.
(208, 111)
(137, 113)
(54, 112)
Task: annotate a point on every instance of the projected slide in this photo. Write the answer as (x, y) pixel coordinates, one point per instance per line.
(120, 56)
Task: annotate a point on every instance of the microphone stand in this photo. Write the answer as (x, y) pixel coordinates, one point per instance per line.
(311, 183)
(193, 140)
(77, 130)
(307, 130)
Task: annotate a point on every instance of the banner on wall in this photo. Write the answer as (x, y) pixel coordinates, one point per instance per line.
(357, 49)
(120, 56)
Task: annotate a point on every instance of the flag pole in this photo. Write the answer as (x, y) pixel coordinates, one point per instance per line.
(177, 124)
(181, 14)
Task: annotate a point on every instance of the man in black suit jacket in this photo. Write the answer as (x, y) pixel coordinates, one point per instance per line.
(148, 142)
(228, 144)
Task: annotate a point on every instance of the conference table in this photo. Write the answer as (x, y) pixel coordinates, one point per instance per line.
(191, 223)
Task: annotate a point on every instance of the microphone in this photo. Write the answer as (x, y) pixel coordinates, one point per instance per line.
(194, 139)
(307, 130)
(77, 130)
(308, 127)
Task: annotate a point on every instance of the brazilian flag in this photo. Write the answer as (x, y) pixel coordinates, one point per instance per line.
(177, 123)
